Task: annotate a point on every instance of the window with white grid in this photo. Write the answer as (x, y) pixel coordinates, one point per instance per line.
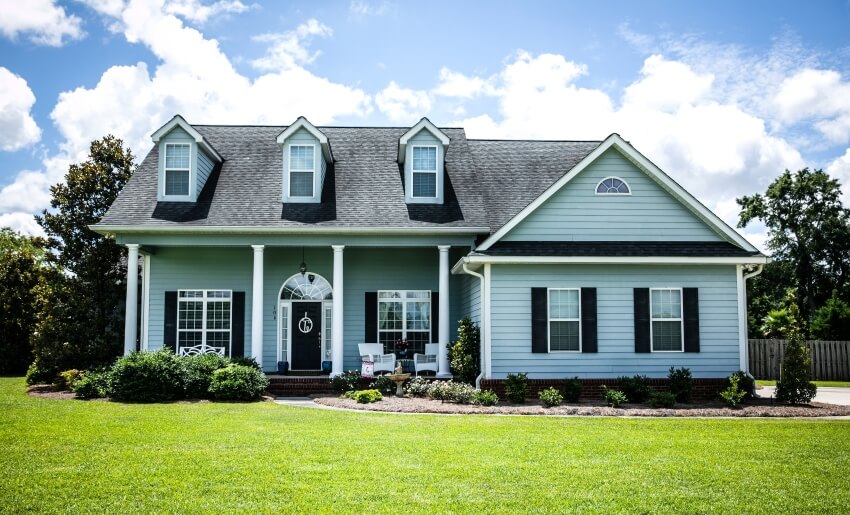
(301, 170)
(204, 318)
(404, 315)
(665, 306)
(424, 171)
(564, 319)
(177, 168)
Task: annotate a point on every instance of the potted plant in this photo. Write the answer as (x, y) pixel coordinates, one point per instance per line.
(401, 346)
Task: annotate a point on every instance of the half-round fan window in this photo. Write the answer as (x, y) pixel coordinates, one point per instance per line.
(307, 286)
(612, 186)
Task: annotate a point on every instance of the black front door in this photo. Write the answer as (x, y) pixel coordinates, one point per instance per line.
(306, 335)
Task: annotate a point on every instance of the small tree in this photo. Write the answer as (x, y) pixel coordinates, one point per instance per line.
(465, 353)
(832, 320)
(795, 385)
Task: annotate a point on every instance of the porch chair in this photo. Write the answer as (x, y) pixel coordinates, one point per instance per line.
(427, 361)
(375, 352)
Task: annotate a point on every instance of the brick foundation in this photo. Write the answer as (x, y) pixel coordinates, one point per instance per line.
(704, 389)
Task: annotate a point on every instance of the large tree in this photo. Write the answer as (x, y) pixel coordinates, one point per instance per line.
(82, 322)
(808, 233)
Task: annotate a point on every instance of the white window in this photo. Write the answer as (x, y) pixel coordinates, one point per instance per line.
(203, 318)
(424, 171)
(612, 186)
(404, 315)
(665, 305)
(301, 170)
(177, 168)
(564, 320)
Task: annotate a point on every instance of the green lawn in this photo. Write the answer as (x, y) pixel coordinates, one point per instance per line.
(840, 384)
(77, 456)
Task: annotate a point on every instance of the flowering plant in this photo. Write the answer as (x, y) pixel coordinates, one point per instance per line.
(402, 345)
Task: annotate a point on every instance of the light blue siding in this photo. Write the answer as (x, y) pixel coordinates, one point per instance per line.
(423, 137)
(204, 168)
(303, 137)
(511, 320)
(470, 302)
(576, 213)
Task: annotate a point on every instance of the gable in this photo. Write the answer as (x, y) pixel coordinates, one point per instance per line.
(577, 213)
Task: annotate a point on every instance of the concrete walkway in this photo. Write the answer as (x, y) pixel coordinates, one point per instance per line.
(826, 394)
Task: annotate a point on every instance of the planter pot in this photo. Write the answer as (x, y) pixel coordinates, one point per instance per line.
(282, 367)
(326, 367)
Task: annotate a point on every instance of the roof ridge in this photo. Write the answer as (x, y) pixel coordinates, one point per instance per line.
(537, 140)
(317, 126)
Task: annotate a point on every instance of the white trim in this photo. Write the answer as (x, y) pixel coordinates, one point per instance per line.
(435, 172)
(614, 140)
(479, 259)
(130, 306)
(337, 336)
(486, 318)
(146, 294)
(300, 123)
(681, 321)
(107, 229)
(281, 305)
(258, 276)
(179, 121)
(549, 321)
(425, 124)
(618, 194)
(165, 169)
(204, 300)
(743, 336)
(289, 171)
(404, 300)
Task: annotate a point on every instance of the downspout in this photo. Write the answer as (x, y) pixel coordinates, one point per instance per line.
(483, 326)
(759, 269)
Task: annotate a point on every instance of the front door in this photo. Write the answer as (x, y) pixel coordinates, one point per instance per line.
(306, 335)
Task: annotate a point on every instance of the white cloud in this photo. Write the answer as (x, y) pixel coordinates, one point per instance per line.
(820, 95)
(198, 12)
(29, 193)
(21, 222)
(402, 105)
(458, 85)
(289, 49)
(667, 85)
(360, 8)
(42, 21)
(840, 169)
(17, 126)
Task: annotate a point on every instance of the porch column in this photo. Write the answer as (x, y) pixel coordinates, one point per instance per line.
(257, 306)
(337, 325)
(132, 297)
(443, 354)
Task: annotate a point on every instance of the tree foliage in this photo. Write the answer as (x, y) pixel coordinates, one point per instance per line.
(832, 320)
(465, 353)
(808, 235)
(81, 322)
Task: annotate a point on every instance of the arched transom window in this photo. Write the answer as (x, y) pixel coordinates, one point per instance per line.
(612, 186)
(307, 286)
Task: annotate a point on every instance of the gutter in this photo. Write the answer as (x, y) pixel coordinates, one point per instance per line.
(480, 259)
(107, 230)
(483, 327)
(750, 275)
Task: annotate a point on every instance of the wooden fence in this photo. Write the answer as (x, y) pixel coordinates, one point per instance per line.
(830, 360)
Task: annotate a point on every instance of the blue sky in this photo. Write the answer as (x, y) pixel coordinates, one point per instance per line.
(722, 95)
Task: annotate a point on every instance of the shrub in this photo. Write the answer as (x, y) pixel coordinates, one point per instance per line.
(636, 388)
(364, 396)
(147, 377)
(662, 400)
(795, 385)
(465, 353)
(681, 383)
(451, 391)
(197, 374)
(551, 397)
(733, 395)
(745, 383)
(93, 384)
(346, 381)
(246, 362)
(67, 379)
(486, 398)
(238, 383)
(417, 387)
(613, 398)
(516, 387)
(571, 389)
(384, 384)
(39, 373)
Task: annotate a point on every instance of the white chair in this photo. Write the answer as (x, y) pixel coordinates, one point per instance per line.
(427, 361)
(374, 352)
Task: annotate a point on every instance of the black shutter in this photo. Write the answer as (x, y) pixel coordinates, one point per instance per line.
(169, 333)
(539, 320)
(237, 325)
(690, 305)
(588, 320)
(371, 314)
(435, 317)
(642, 343)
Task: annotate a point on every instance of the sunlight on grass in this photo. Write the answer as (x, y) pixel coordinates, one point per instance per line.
(78, 456)
(839, 384)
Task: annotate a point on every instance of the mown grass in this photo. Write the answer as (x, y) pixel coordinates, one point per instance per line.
(77, 456)
(839, 384)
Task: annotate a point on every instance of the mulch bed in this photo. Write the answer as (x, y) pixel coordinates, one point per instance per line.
(753, 408)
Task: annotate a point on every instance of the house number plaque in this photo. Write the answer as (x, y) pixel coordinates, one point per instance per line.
(305, 325)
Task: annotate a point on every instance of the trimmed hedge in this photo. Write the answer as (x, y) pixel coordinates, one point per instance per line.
(148, 377)
(238, 383)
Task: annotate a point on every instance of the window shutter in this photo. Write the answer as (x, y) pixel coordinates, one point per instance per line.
(435, 317)
(370, 334)
(539, 320)
(169, 333)
(237, 325)
(690, 306)
(642, 343)
(588, 320)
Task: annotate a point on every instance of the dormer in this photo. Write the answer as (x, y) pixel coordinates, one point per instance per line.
(422, 152)
(186, 160)
(306, 154)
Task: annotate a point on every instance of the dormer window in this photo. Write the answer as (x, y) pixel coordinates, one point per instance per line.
(177, 168)
(301, 170)
(424, 171)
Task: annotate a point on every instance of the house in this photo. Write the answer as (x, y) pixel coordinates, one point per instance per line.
(297, 243)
